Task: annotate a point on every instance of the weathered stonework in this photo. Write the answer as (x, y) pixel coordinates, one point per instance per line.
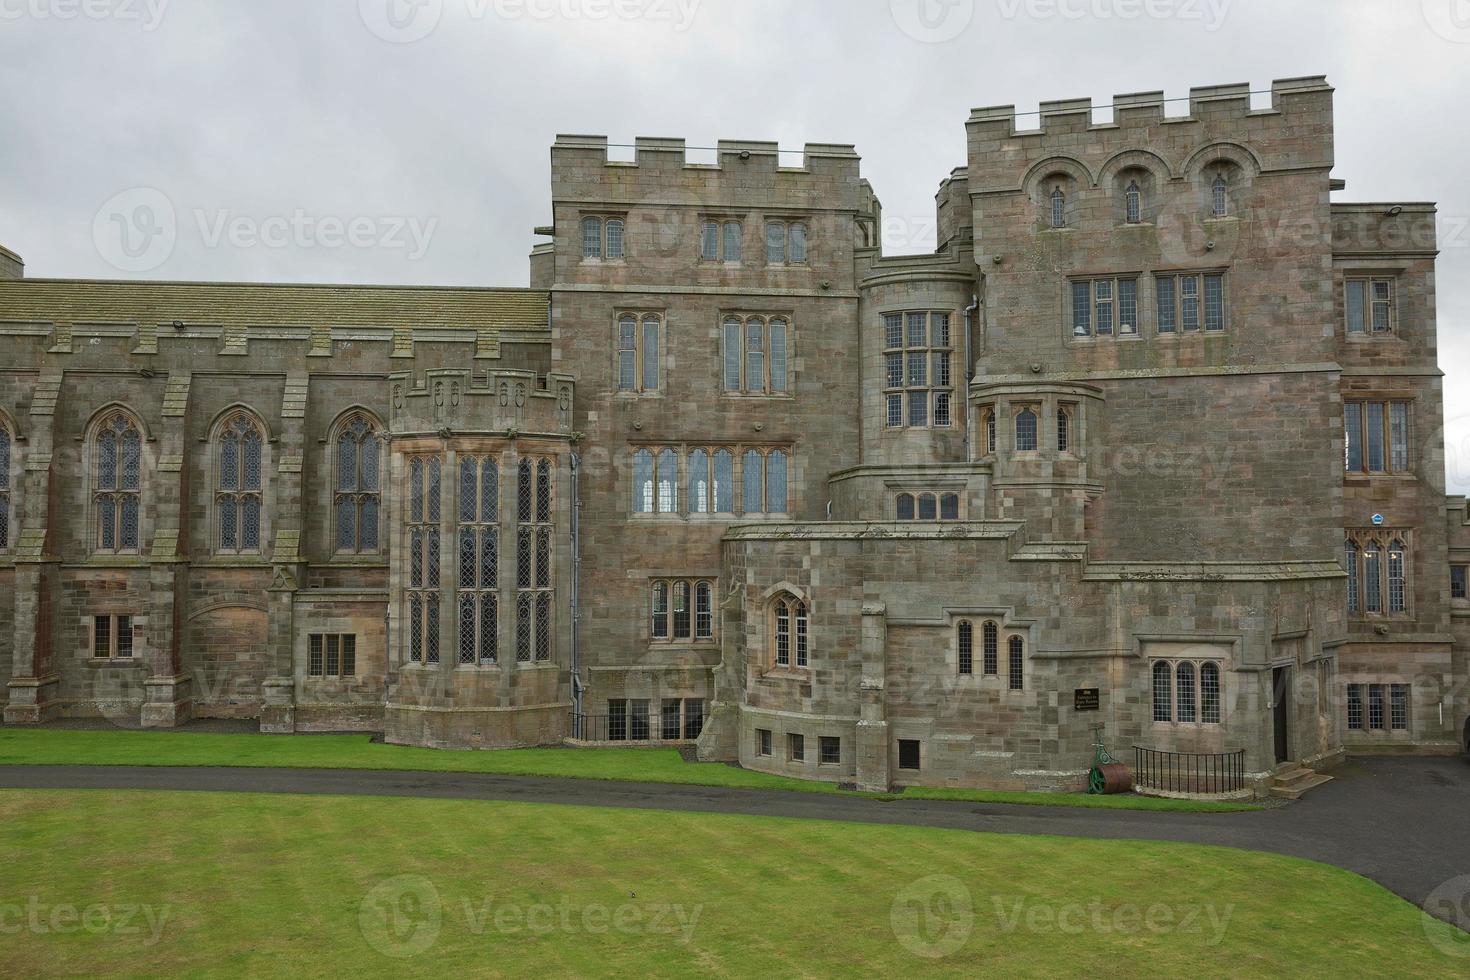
(1184, 501)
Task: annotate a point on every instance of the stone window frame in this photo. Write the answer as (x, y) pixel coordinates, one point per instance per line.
(632, 363)
(1057, 208)
(115, 623)
(826, 742)
(536, 550)
(1219, 196)
(796, 747)
(1104, 293)
(1395, 448)
(423, 585)
(231, 417)
(1394, 705)
(115, 496)
(792, 231)
(696, 587)
(737, 355)
(331, 656)
(722, 227)
(1176, 324)
(764, 743)
(1370, 304)
(477, 595)
(988, 426)
(918, 749)
(1394, 597)
(688, 723)
(933, 386)
(990, 642)
(358, 494)
(1065, 431)
(1038, 414)
(648, 473)
(788, 619)
(611, 230)
(1199, 669)
(1015, 664)
(937, 496)
(10, 472)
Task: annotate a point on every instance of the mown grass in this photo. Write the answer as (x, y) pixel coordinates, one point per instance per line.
(262, 885)
(124, 747)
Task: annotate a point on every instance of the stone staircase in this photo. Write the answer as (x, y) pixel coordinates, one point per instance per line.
(1293, 779)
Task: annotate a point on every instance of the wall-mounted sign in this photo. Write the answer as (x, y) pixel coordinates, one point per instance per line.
(1085, 699)
(1377, 519)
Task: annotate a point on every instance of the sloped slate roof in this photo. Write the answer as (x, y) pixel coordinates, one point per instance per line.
(269, 304)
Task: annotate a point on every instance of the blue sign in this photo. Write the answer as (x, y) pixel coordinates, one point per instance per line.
(1377, 519)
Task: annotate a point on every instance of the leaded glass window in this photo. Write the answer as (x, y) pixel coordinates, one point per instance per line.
(478, 583)
(357, 498)
(239, 465)
(535, 558)
(117, 482)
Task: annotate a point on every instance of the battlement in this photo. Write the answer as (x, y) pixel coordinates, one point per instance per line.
(668, 152)
(1293, 135)
(1151, 108)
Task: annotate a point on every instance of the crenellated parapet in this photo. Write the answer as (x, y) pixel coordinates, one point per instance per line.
(1294, 133)
(460, 401)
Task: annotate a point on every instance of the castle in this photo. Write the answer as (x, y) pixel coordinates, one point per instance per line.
(1152, 442)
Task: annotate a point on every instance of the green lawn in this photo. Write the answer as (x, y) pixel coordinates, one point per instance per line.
(205, 884)
(121, 747)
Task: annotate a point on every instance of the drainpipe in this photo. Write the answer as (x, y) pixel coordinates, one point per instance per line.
(969, 367)
(576, 612)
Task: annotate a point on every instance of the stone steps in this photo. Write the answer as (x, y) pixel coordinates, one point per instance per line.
(1293, 780)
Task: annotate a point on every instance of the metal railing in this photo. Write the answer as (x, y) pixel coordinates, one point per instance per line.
(1189, 772)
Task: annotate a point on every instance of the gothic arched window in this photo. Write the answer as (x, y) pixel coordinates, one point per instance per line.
(117, 482)
(357, 498)
(1219, 202)
(1058, 208)
(238, 487)
(789, 631)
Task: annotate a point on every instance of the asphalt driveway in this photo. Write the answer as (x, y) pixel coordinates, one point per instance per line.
(1403, 822)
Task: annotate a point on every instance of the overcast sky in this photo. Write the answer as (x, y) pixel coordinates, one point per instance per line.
(406, 141)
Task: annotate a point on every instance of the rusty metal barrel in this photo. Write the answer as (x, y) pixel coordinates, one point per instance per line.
(1110, 777)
